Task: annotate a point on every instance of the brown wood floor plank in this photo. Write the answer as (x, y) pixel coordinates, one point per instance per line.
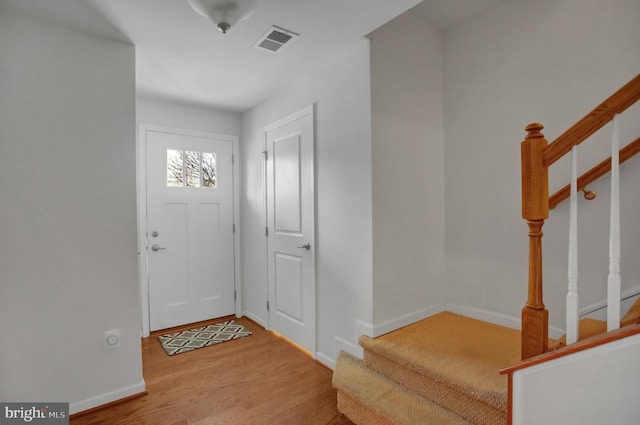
(258, 380)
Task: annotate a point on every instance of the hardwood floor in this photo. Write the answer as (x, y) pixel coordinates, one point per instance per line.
(258, 380)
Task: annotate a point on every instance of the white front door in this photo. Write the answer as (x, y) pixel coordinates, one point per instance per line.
(189, 228)
(290, 218)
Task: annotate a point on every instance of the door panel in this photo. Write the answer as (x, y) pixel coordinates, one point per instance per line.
(286, 184)
(210, 230)
(289, 281)
(175, 263)
(290, 218)
(190, 223)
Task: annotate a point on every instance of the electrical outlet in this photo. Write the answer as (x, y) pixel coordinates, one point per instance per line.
(112, 339)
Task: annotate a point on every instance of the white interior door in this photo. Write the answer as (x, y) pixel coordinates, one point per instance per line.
(290, 218)
(189, 228)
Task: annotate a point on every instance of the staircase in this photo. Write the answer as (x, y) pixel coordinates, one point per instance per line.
(451, 369)
(442, 370)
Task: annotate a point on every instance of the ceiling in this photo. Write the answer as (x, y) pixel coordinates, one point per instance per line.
(181, 56)
(445, 13)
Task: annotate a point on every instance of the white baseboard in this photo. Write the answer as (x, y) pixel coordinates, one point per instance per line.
(255, 319)
(363, 328)
(407, 319)
(600, 306)
(341, 344)
(326, 360)
(485, 315)
(496, 318)
(90, 403)
(556, 333)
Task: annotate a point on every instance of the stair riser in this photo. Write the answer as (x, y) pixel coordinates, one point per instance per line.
(370, 398)
(360, 413)
(466, 405)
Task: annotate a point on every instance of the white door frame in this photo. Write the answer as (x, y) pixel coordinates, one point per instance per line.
(141, 183)
(306, 111)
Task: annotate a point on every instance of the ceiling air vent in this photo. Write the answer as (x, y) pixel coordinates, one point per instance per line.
(275, 38)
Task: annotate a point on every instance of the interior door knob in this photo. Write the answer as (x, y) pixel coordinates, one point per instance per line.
(156, 247)
(306, 246)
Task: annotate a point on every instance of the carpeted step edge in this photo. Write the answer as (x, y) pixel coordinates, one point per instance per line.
(497, 399)
(469, 406)
(360, 413)
(387, 402)
(484, 382)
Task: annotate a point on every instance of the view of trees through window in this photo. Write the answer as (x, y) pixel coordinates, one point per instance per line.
(191, 168)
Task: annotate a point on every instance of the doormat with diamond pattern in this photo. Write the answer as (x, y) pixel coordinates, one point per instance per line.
(181, 342)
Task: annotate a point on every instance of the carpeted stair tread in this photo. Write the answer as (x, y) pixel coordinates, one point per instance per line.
(367, 397)
(460, 354)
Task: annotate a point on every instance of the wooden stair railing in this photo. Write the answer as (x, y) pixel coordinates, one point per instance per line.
(535, 209)
(595, 173)
(537, 155)
(617, 103)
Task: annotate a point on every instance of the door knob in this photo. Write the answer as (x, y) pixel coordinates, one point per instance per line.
(306, 246)
(156, 247)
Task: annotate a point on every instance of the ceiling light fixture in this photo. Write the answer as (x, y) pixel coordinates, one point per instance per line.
(225, 13)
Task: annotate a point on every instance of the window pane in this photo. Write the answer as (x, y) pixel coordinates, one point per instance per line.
(208, 169)
(192, 169)
(175, 169)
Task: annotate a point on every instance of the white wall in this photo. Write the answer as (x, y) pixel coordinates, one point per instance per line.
(68, 261)
(189, 117)
(408, 172)
(570, 390)
(341, 96)
(549, 61)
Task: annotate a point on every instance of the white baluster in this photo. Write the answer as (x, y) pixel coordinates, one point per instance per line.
(614, 280)
(572, 294)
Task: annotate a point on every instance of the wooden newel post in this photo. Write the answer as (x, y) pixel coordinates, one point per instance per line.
(535, 209)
